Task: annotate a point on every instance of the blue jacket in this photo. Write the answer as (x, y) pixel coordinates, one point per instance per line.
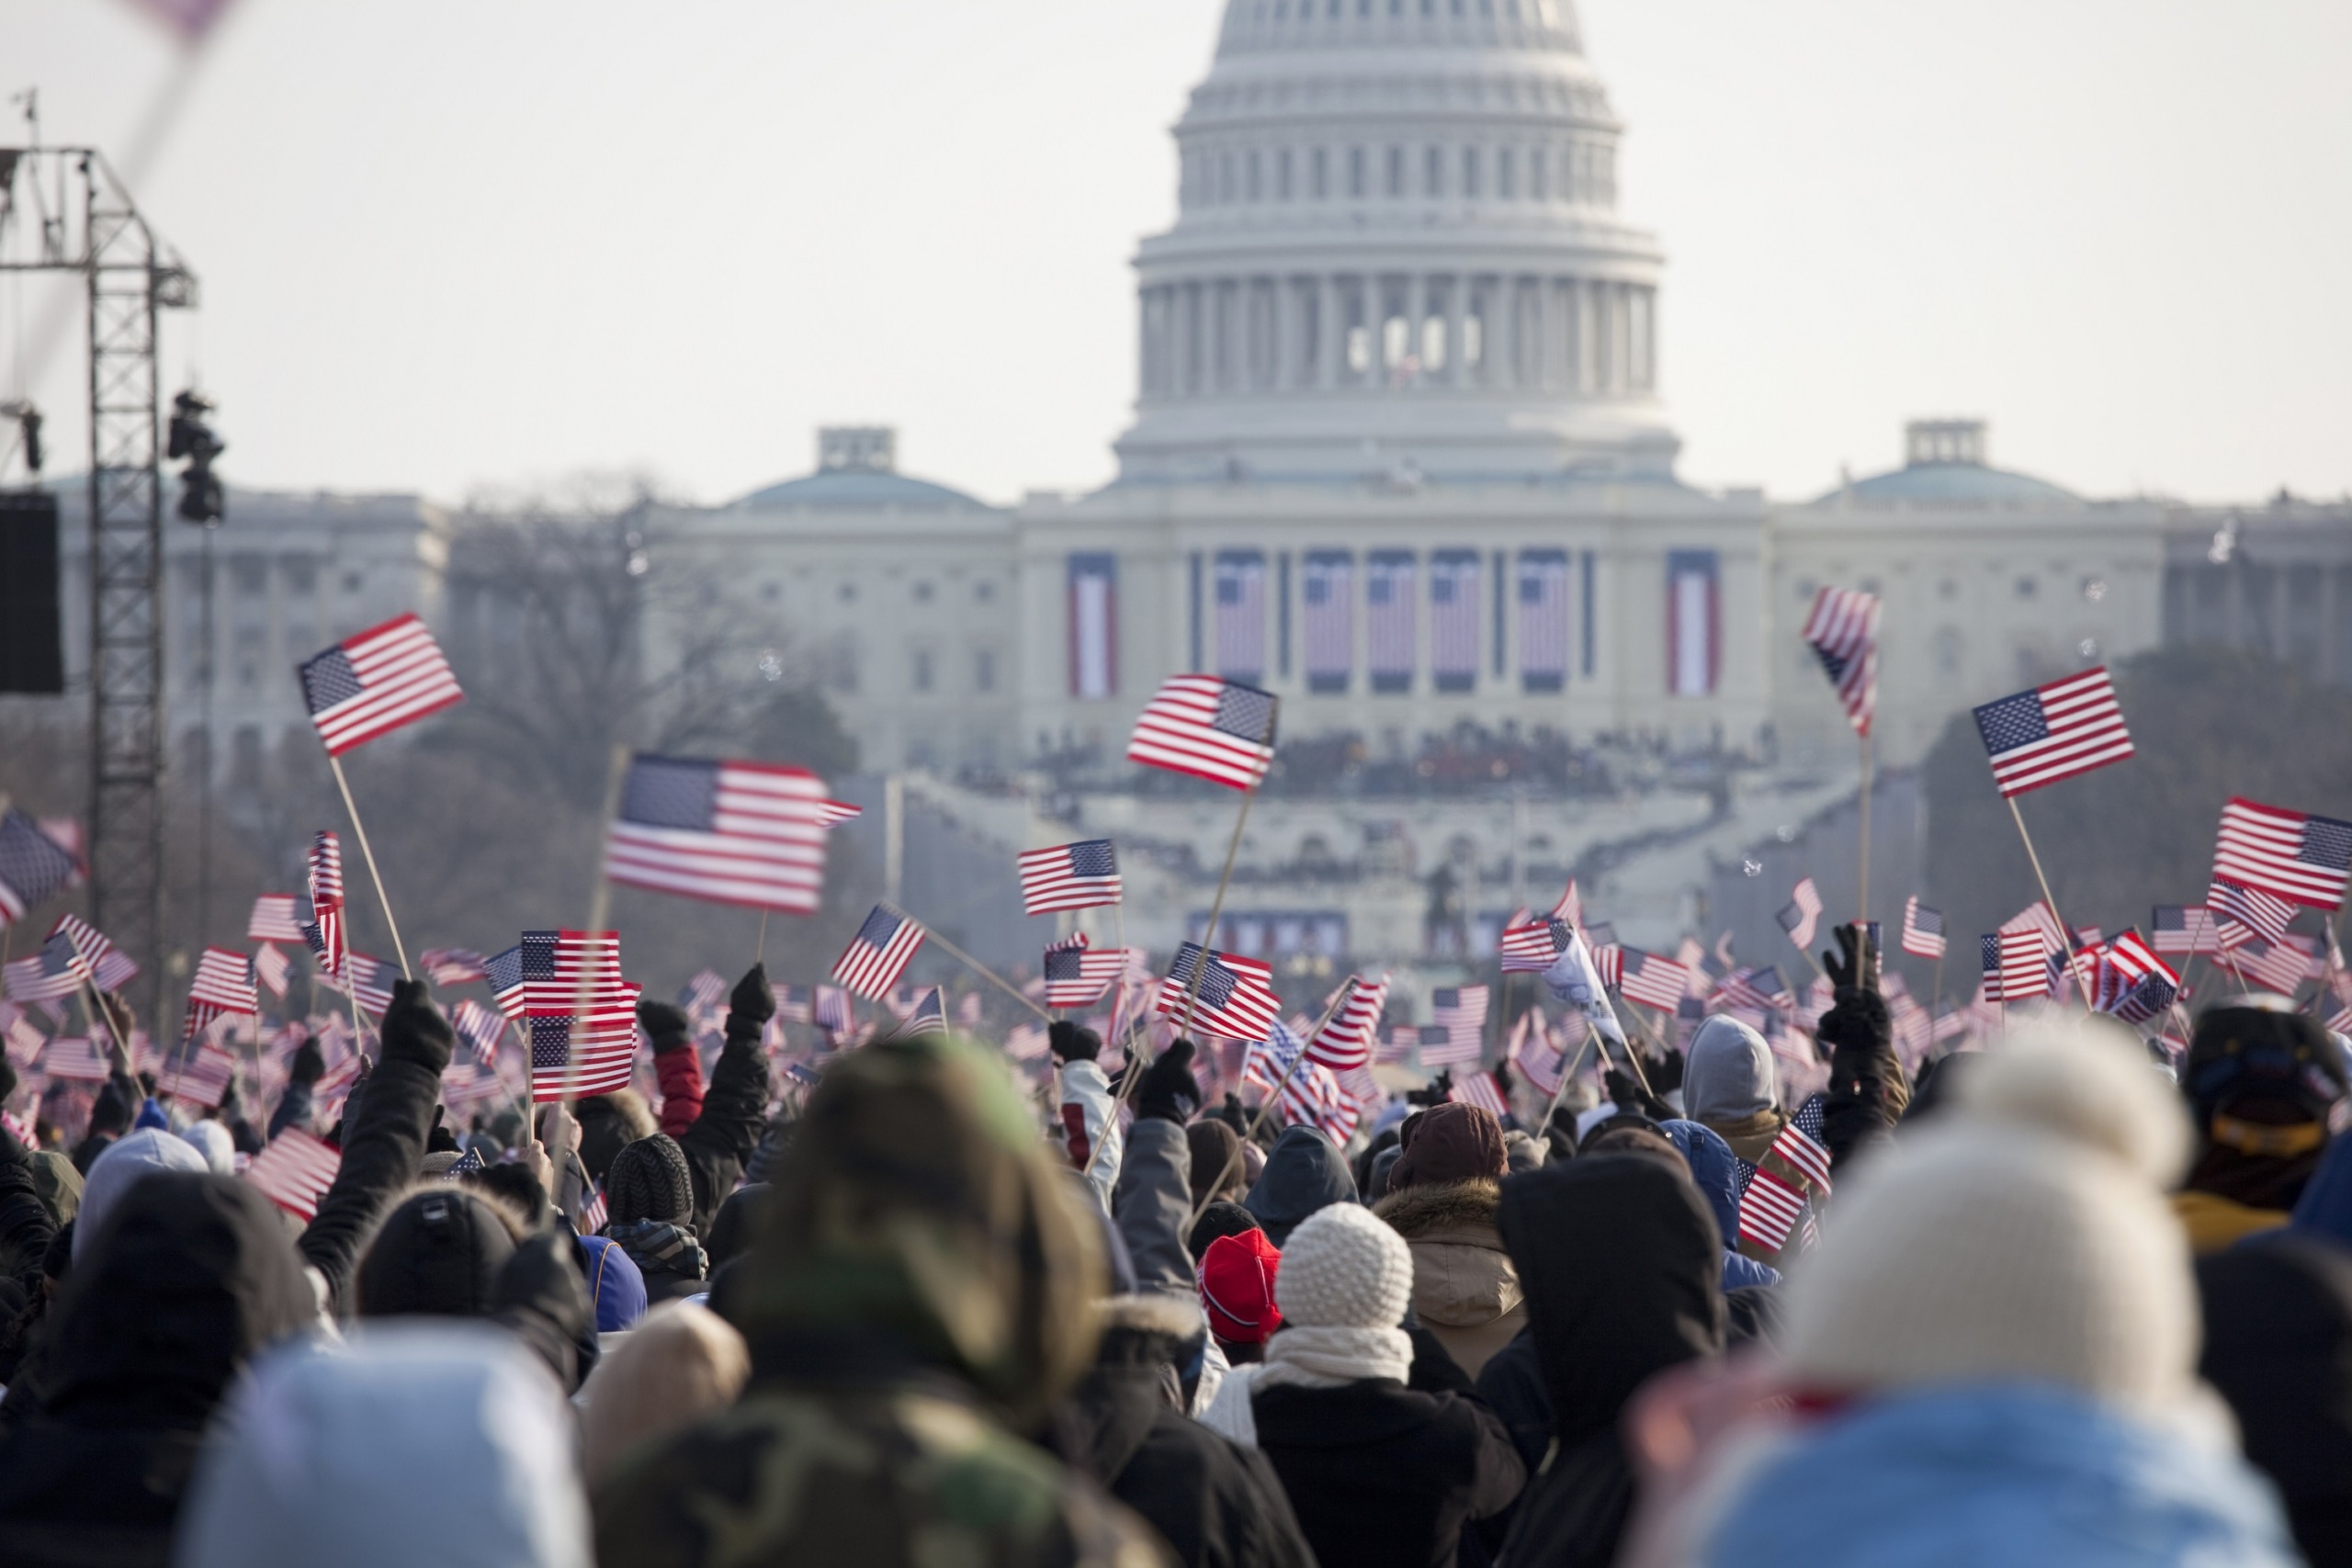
(2022, 1476)
(614, 1283)
(1715, 1170)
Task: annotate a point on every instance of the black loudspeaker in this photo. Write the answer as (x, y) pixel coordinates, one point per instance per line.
(32, 640)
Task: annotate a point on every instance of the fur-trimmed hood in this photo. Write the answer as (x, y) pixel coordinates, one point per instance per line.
(1466, 1290)
(1431, 1209)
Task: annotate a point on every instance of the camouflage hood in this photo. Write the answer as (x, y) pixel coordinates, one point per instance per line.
(916, 1203)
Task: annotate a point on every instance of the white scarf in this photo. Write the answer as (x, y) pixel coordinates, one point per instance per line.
(1306, 1357)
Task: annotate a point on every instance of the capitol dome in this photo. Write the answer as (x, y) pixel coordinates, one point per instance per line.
(1398, 248)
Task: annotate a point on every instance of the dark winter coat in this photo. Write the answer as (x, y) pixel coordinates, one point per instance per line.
(1217, 1504)
(734, 1112)
(1622, 1264)
(452, 1251)
(188, 1279)
(672, 1261)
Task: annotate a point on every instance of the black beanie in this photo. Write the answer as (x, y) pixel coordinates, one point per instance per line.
(438, 1252)
(649, 1180)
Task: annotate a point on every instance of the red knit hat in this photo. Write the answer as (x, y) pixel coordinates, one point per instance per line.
(1237, 1282)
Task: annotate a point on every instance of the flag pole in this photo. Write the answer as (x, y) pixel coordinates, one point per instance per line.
(977, 967)
(1567, 1071)
(1862, 900)
(600, 904)
(1216, 909)
(1132, 1070)
(360, 828)
(2066, 931)
(1258, 1123)
(760, 954)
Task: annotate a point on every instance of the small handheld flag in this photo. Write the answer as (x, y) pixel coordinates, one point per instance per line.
(877, 954)
(1802, 913)
(1843, 632)
(1237, 995)
(376, 682)
(2289, 855)
(1208, 726)
(728, 832)
(2054, 732)
(1082, 875)
(1923, 929)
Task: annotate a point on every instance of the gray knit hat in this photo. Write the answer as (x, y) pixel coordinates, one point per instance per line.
(649, 1180)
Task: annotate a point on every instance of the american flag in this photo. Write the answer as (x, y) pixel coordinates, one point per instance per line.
(833, 1012)
(1345, 1039)
(451, 965)
(1800, 1142)
(1531, 948)
(1212, 728)
(55, 971)
(582, 1016)
(76, 1057)
(273, 968)
(1077, 976)
(2287, 854)
(592, 1216)
(376, 682)
(1314, 1097)
(1760, 987)
(1388, 614)
(1026, 1042)
(1802, 913)
(273, 919)
(1082, 875)
(1461, 1012)
(1541, 1060)
(2282, 966)
(2241, 914)
(2130, 954)
(730, 832)
(2054, 732)
(1237, 995)
(1326, 594)
(510, 972)
(795, 1004)
(877, 954)
(1769, 1210)
(295, 1171)
(1657, 982)
(369, 981)
(1544, 620)
(1843, 632)
(700, 997)
(199, 1072)
(2016, 965)
(1923, 929)
(325, 932)
(108, 969)
(1480, 1089)
(32, 865)
(479, 1028)
(1453, 619)
(928, 1016)
(1241, 615)
(224, 982)
(2144, 1000)
(1268, 1061)
(1913, 1030)
(833, 813)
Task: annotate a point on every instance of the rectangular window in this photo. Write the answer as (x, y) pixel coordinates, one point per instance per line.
(1257, 174)
(1355, 171)
(1322, 173)
(1498, 617)
(1453, 620)
(1542, 620)
(1093, 626)
(1470, 171)
(1241, 615)
(1282, 613)
(923, 669)
(1538, 169)
(1506, 176)
(1328, 606)
(1396, 171)
(984, 670)
(1388, 618)
(1435, 173)
(1281, 175)
(1693, 635)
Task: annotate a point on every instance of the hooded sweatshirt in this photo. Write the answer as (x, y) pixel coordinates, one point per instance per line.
(1728, 1086)
(439, 1443)
(1622, 1261)
(1302, 1174)
(917, 1292)
(142, 1151)
(188, 1278)
(1715, 1171)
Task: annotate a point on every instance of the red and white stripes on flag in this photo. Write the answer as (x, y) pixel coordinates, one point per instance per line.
(2183, 928)
(1769, 1210)
(833, 813)
(224, 982)
(108, 968)
(450, 965)
(1083, 875)
(2130, 954)
(273, 968)
(273, 919)
(877, 954)
(295, 1171)
(1328, 622)
(1654, 981)
(2241, 914)
(728, 832)
(199, 1072)
(1542, 620)
(1208, 726)
(479, 1028)
(1345, 1039)
(1923, 929)
(76, 1057)
(1236, 997)
(1541, 1060)
(1802, 913)
(2054, 732)
(1076, 976)
(375, 682)
(1530, 947)
(1461, 1012)
(1480, 1089)
(1843, 632)
(581, 1017)
(328, 940)
(2289, 855)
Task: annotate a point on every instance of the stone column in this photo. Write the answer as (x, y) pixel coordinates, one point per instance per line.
(1543, 328)
(1370, 291)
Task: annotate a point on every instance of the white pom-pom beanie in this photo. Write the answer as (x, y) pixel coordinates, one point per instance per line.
(1344, 1269)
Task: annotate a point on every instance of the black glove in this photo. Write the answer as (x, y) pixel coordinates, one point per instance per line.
(665, 1026)
(8, 1080)
(414, 1029)
(1436, 1092)
(1665, 1071)
(1233, 1114)
(439, 1140)
(1168, 1090)
(1071, 1043)
(1503, 1080)
(1854, 967)
(749, 1005)
(1627, 1094)
(308, 1067)
(111, 1112)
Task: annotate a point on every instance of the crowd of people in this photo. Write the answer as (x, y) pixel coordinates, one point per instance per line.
(2049, 1301)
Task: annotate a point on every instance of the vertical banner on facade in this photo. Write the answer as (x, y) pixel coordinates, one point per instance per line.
(1542, 620)
(1388, 618)
(1693, 632)
(1093, 626)
(1242, 615)
(1453, 620)
(1328, 606)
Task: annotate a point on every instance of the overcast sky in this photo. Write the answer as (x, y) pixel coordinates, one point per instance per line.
(446, 244)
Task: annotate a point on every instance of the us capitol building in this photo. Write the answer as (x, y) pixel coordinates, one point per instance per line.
(1400, 453)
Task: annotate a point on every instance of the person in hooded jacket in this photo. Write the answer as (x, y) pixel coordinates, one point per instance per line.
(1302, 1174)
(1443, 1193)
(733, 1112)
(649, 1201)
(1716, 1172)
(1621, 1263)
(2262, 1082)
(918, 1293)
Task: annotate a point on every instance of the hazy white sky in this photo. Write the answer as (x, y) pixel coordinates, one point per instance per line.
(447, 243)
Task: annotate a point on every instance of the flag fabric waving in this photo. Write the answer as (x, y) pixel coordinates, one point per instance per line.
(295, 1171)
(877, 954)
(1345, 1039)
(1480, 1089)
(1237, 995)
(325, 933)
(273, 968)
(108, 968)
(1076, 976)
(478, 1027)
(199, 1072)
(1461, 1012)
(1571, 906)
(450, 965)
(224, 982)
(1802, 913)
(2241, 914)
(1083, 875)
(581, 1015)
(57, 970)
(273, 919)
(376, 682)
(1532, 947)
(2287, 854)
(1923, 929)
(1657, 982)
(75, 1058)
(1843, 632)
(369, 981)
(2130, 954)
(928, 1017)
(1769, 1210)
(728, 832)
(2054, 732)
(2183, 928)
(833, 813)
(32, 865)
(1208, 726)
(1800, 1142)
(1576, 979)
